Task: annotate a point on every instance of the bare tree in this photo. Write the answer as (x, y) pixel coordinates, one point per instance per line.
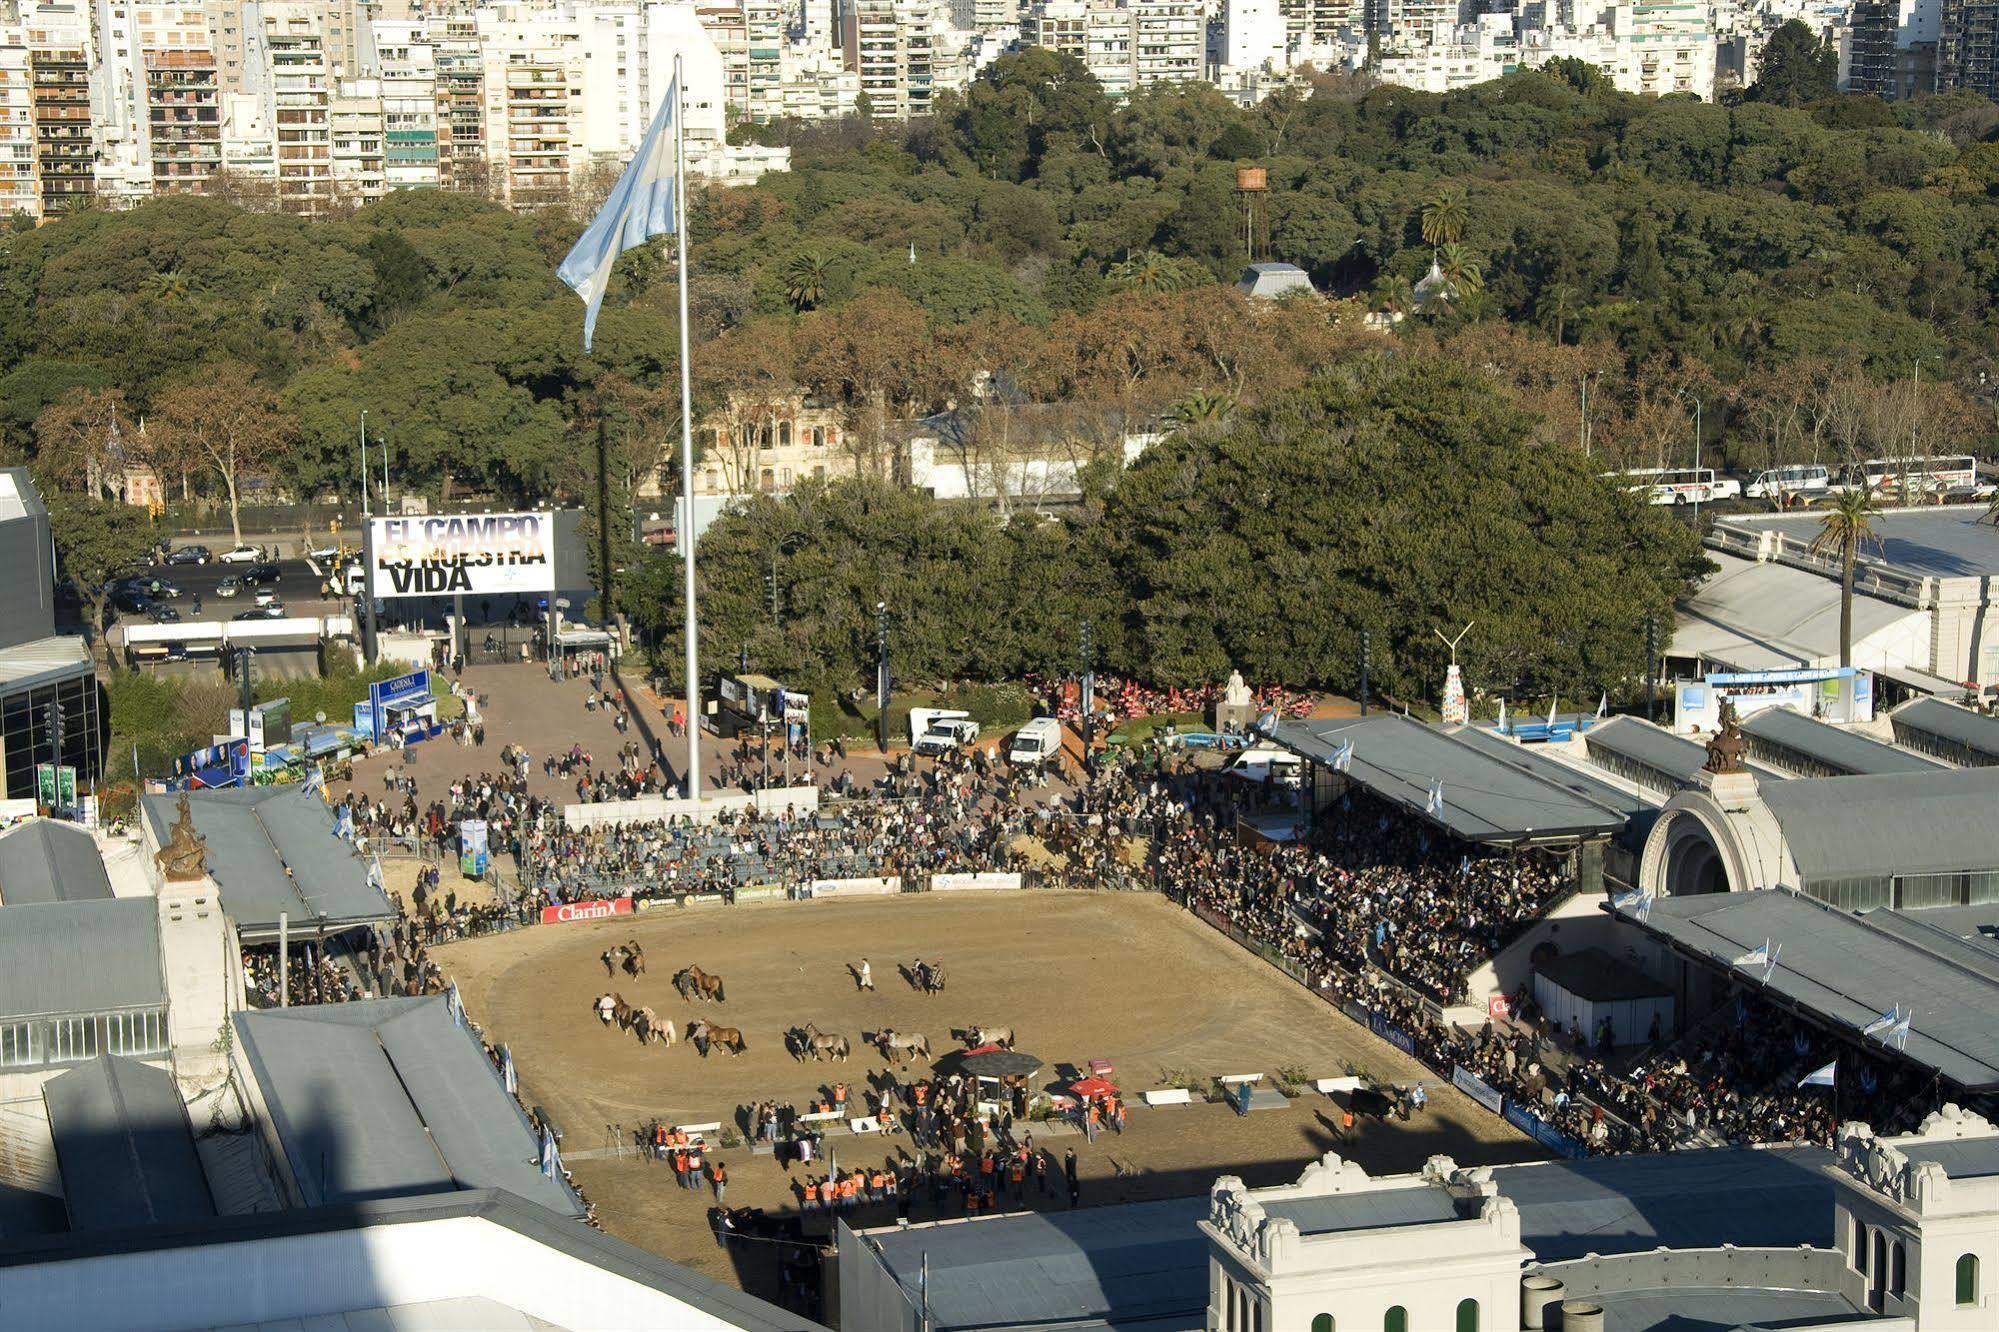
(225, 424)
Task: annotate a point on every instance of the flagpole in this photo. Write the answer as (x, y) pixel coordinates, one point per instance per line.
(693, 676)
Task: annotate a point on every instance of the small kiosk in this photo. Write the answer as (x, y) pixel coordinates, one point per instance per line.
(401, 711)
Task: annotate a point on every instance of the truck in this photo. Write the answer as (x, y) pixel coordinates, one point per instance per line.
(940, 730)
(1035, 742)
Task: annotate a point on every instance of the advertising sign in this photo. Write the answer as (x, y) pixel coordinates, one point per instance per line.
(45, 785)
(1476, 1087)
(404, 689)
(475, 554)
(1830, 693)
(595, 909)
(472, 855)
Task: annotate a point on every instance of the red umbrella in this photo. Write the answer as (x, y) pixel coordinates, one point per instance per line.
(1092, 1087)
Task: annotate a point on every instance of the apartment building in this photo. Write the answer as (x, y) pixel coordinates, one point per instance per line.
(461, 101)
(341, 25)
(405, 63)
(285, 66)
(905, 52)
(1169, 41)
(533, 86)
(1967, 53)
(20, 172)
(354, 124)
(817, 84)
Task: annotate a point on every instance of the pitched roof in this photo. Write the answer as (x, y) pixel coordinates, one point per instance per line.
(1946, 721)
(1931, 822)
(1486, 798)
(1844, 751)
(80, 957)
(123, 1145)
(272, 851)
(386, 1097)
(1848, 969)
(48, 860)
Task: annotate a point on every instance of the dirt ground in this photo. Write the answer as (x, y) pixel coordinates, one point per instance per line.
(1079, 976)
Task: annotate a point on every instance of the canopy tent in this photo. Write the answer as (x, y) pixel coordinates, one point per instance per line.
(990, 1061)
(1093, 1087)
(1584, 989)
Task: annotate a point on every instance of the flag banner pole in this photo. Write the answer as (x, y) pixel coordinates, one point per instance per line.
(693, 668)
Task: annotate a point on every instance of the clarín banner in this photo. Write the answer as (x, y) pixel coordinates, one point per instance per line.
(473, 554)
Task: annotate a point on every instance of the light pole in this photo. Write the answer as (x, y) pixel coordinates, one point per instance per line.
(364, 464)
(1584, 380)
(1699, 489)
(881, 676)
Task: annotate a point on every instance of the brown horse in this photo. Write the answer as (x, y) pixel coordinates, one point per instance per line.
(694, 983)
(729, 1038)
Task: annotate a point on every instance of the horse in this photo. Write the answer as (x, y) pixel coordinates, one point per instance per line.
(623, 1011)
(897, 1046)
(650, 1028)
(1000, 1036)
(694, 983)
(635, 960)
(705, 1034)
(822, 1044)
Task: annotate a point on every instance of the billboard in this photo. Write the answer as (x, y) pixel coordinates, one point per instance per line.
(1831, 693)
(470, 554)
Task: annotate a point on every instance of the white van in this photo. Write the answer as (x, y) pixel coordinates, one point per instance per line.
(1270, 765)
(1034, 742)
(1779, 483)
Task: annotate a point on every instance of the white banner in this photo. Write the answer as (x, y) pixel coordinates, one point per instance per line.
(727, 804)
(855, 887)
(474, 554)
(952, 883)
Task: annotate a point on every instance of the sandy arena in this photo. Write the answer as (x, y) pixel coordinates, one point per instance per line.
(1079, 976)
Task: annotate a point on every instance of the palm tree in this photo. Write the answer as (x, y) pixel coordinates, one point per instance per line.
(1198, 409)
(805, 279)
(1556, 307)
(170, 285)
(1148, 271)
(1848, 524)
(1461, 266)
(1393, 291)
(1444, 216)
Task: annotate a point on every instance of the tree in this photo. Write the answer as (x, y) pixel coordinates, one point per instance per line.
(1151, 272)
(225, 424)
(1201, 409)
(94, 539)
(1796, 67)
(77, 441)
(1444, 217)
(1461, 267)
(805, 279)
(1556, 308)
(1847, 525)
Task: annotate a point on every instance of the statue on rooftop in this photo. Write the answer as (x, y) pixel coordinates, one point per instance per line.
(1724, 752)
(185, 856)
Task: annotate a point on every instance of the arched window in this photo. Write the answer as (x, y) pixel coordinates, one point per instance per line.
(1395, 1320)
(1323, 1323)
(784, 434)
(1856, 1249)
(818, 437)
(768, 478)
(1467, 1316)
(1898, 1270)
(1967, 1279)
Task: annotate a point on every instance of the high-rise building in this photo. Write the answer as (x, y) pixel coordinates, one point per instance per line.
(154, 64)
(1169, 41)
(339, 23)
(20, 172)
(905, 52)
(1967, 53)
(1252, 35)
(284, 65)
(184, 120)
(461, 102)
(354, 126)
(61, 56)
(405, 62)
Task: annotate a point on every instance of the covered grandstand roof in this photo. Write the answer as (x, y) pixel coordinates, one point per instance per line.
(1674, 758)
(80, 957)
(47, 860)
(1485, 798)
(272, 851)
(1847, 969)
(1757, 616)
(1843, 751)
(385, 1097)
(1901, 823)
(1538, 762)
(1936, 720)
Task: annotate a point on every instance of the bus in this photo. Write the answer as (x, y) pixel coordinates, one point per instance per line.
(1677, 485)
(1795, 480)
(1911, 476)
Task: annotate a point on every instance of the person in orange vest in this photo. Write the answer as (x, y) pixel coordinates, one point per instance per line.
(877, 1186)
(719, 1175)
(1017, 1175)
(659, 1142)
(811, 1196)
(680, 1167)
(840, 1097)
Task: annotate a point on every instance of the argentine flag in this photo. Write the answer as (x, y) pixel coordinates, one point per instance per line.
(640, 207)
(1821, 1077)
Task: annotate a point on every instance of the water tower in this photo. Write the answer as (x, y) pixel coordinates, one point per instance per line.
(1252, 183)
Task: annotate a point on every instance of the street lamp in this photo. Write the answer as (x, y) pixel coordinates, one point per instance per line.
(1699, 489)
(364, 464)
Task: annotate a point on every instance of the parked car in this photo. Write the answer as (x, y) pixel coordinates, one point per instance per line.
(230, 585)
(131, 600)
(267, 596)
(164, 615)
(260, 613)
(190, 555)
(242, 555)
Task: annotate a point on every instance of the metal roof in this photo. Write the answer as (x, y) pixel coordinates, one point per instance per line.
(1657, 748)
(44, 661)
(385, 1097)
(1946, 542)
(1331, 1213)
(271, 851)
(48, 860)
(80, 957)
(1947, 721)
(1537, 761)
(1485, 798)
(1847, 751)
(123, 1145)
(1763, 615)
(1848, 969)
(1901, 823)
